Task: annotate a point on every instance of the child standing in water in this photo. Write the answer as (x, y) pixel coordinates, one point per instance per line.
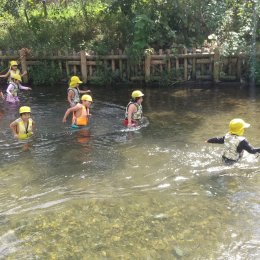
(13, 88)
(234, 141)
(134, 111)
(22, 127)
(80, 112)
(13, 70)
(73, 92)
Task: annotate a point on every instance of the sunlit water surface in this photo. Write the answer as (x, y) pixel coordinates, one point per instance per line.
(159, 192)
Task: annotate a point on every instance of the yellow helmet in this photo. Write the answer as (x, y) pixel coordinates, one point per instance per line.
(16, 76)
(74, 81)
(237, 126)
(13, 63)
(137, 94)
(87, 98)
(24, 109)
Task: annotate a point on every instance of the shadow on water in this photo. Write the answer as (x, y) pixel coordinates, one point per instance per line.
(158, 192)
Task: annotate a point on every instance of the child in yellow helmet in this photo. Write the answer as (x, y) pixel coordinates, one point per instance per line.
(22, 127)
(134, 111)
(13, 70)
(234, 141)
(73, 92)
(80, 112)
(13, 88)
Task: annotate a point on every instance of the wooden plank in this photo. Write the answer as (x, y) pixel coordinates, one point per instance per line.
(168, 60)
(204, 77)
(147, 67)
(158, 62)
(185, 66)
(73, 63)
(60, 63)
(137, 78)
(120, 64)
(161, 67)
(93, 63)
(203, 61)
(83, 66)
(22, 54)
(113, 65)
(67, 65)
(34, 63)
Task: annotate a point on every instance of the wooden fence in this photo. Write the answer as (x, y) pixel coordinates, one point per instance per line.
(202, 64)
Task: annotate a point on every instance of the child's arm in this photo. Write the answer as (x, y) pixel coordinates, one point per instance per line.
(69, 110)
(244, 145)
(13, 127)
(23, 87)
(70, 97)
(5, 75)
(24, 73)
(33, 125)
(131, 109)
(85, 91)
(216, 140)
(9, 89)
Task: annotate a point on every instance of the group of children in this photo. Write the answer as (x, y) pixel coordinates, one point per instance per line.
(14, 83)
(234, 141)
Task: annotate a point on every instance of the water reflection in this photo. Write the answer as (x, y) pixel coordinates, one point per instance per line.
(158, 192)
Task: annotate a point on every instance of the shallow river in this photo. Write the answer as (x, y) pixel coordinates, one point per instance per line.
(159, 192)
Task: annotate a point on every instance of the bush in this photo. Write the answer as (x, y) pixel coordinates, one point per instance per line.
(45, 74)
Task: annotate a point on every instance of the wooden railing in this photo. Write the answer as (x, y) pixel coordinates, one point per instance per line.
(185, 65)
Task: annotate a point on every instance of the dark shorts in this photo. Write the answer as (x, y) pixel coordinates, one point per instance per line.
(228, 161)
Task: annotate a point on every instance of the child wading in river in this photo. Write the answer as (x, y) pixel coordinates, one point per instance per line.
(13, 70)
(80, 112)
(23, 126)
(234, 141)
(73, 92)
(13, 88)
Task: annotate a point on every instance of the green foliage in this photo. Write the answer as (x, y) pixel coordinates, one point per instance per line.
(105, 77)
(45, 74)
(170, 78)
(132, 25)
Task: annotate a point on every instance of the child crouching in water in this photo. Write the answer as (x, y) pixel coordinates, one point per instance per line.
(23, 126)
(234, 141)
(80, 112)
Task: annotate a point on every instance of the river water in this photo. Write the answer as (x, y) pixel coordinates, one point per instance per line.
(159, 192)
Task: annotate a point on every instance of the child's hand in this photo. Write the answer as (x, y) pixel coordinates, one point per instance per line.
(64, 120)
(29, 88)
(16, 136)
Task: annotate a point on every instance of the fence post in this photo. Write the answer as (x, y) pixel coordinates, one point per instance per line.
(239, 67)
(113, 64)
(185, 65)
(193, 65)
(22, 54)
(168, 60)
(216, 66)
(83, 66)
(147, 64)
